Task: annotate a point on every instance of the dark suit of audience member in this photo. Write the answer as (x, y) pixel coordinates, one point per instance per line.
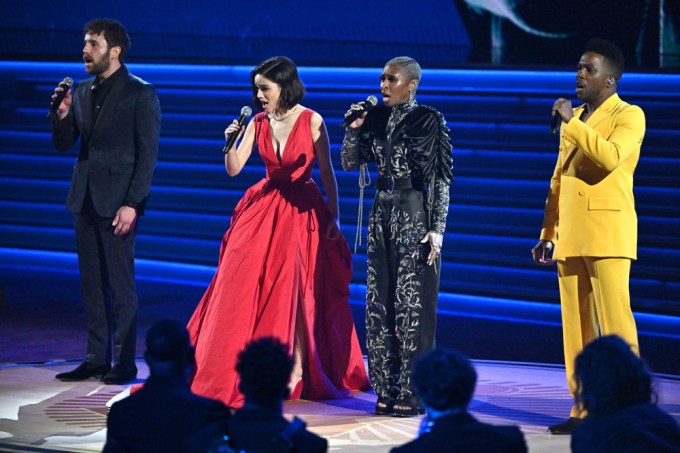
(445, 381)
(639, 428)
(264, 368)
(615, 388)
(116, 118)
(163, 414)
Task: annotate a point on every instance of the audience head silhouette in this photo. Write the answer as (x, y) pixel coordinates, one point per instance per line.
(163, 415)
(264, 368)
(168, 349)
(444, 380)
(610, 377)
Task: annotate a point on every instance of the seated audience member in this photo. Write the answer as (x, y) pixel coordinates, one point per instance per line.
(445, 381)
(615, 388)
(264, 369)
(163, 414)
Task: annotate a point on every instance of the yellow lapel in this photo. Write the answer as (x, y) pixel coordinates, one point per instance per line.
(603, 112)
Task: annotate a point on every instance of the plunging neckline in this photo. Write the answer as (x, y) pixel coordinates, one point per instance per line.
(279, 157)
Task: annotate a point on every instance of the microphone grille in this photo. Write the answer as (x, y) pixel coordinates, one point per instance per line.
(372, 100)
(68, 81)
(247, 111)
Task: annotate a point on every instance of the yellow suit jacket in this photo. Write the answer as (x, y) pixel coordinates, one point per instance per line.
(590, 210)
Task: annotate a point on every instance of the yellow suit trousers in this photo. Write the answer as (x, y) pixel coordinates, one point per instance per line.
(595, 301)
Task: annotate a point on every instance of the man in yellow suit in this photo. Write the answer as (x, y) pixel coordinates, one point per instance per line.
(590, 224)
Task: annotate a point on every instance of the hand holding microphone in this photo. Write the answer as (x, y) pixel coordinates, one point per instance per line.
(59, 94)
(232, 132)
(357, 110)
(561, 111)
(555, 124)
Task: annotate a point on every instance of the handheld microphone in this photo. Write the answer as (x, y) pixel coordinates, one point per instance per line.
(555, 124)
(367, 105)
(66, 85)
(231, 138)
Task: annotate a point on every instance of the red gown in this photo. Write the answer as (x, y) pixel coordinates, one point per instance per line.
(276, 265)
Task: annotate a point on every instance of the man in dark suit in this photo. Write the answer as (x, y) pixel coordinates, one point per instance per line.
(164, 413)
(445, 381)
(116, 116)
(264, 368)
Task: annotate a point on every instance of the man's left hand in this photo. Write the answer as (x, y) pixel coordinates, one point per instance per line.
(124, 221)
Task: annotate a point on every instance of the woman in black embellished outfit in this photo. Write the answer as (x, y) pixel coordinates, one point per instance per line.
(410, 145)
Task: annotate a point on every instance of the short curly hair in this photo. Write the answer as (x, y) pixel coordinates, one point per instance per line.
(610, 51)
(264, 368)
(114, 34)
(610, 376)
(444, 379)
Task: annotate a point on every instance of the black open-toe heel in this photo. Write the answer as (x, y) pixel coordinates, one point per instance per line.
(384, 406)
(407, 407)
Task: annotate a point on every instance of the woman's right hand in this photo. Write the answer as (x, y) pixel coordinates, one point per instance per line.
(233, 127)
(359, 121)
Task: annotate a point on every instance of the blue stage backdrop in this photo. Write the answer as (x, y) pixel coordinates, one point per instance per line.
(503, 159)
(353, 32)
(494, 302)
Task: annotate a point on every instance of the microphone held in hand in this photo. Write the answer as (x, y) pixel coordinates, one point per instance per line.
(370, 102)
(66, 85)
(556, 121)
(231, 138)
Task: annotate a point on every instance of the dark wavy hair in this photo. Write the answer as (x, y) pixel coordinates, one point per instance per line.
(283, 72)
(444, 379)
(610, 376)
(264, 368)
(612, 53)
(114, 33)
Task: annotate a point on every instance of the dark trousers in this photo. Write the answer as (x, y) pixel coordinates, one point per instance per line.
(401, 291)
(107, 281)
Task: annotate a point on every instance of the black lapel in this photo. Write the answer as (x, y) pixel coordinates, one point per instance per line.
(86, 107)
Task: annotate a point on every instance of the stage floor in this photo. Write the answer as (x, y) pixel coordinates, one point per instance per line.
(38, 413)
(42, 333)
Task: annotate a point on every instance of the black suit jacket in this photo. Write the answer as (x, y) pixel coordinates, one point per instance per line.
(121, 145)
(160, 417)
(256, 429)
(463, 433)
(640, 428)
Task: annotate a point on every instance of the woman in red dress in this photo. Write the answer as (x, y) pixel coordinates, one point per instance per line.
(284, 266)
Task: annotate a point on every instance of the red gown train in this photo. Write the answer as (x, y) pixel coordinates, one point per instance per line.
(276, 268)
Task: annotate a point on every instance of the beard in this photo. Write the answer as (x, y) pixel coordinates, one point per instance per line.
(100, 66)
